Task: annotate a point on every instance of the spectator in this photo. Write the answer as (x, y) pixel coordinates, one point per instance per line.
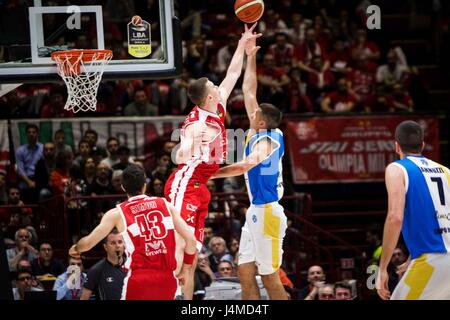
(140, 107)
(320, 80)
(272, 81)
(102, 183)
(161, 172)
(16, 222)
(373, 239)
(377, 101)
(282, 51)
(341, 100)
(46, 264)
(225, 269)
(343, 28)
(26, 158)
(361, 79)
(197, 57)
(60, 142)
(392, 72)
(124, 158)
(23, 264)
(340, 58)
(105, 278)
(168, 147)
(323, 33)
(234, 250)
(14, 199)
(157, 188)
(305, 52)
(22, 249)
(112, 145)
(84, 151)
(299, 101)
(69, 285)
(316, 279)
(203, 277)
(91, 136)
(3, 193)
(215, 207)
(326, 292)
(178, 99)
(298, 29)
(44, 168)
(285, 281)
(116, 182)
(89, 172)
(208, 234)
(19, 217)
(55, 107)
(24, 283)
(363, 47)
(60, 177)
(218, 248)
(225, 54)
(399, 100)
(342, 291)
(271, 24)
(399, 257)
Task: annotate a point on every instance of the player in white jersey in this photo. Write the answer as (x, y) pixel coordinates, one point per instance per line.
(260, 249)
(419, 206)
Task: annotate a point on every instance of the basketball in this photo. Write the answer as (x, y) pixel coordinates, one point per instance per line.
(136, 20)
(249, 11)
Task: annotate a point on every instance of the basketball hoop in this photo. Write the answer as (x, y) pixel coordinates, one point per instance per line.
(82, 71)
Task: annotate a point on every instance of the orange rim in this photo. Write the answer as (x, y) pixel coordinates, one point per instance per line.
(87, 54)
(69, 61)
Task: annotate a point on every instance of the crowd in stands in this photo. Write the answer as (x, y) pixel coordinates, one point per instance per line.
(315, 57)
(312, 60)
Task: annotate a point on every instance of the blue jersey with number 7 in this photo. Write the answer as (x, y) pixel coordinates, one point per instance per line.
(426, 222)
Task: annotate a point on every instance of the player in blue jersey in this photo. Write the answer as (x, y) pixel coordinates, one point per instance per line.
(419, 206)
(260, 248)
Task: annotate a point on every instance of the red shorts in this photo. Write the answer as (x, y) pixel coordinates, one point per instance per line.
(150, 284)
(191, 201)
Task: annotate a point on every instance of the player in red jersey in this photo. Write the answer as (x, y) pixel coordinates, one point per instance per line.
(148, 227)
(203, 148)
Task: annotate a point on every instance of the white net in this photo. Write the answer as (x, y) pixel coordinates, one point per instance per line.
(82, 72)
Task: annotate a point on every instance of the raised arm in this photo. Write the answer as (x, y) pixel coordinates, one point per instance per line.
(395, 185)
(235, 67)
(250, 84)
(110, 220)
(259, 153)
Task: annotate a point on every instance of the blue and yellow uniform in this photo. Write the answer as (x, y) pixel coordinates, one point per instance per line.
(265, 226)
(426, 229)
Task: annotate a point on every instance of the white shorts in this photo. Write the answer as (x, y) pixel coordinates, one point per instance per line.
(262, 237)
(427, 278)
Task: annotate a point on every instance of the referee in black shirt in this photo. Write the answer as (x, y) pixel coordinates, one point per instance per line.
(105, 278)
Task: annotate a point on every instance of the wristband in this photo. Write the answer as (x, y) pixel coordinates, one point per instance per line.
(188, 258)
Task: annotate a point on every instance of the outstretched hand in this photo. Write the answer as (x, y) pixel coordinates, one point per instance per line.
(249, 35)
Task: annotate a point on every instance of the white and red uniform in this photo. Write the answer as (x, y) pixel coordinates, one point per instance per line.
(150, 245)
(186, 187)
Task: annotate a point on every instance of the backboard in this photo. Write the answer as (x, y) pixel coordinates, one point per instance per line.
(145, 48)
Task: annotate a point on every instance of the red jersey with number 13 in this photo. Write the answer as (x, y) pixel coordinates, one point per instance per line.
(149, 236)
(212, 155)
